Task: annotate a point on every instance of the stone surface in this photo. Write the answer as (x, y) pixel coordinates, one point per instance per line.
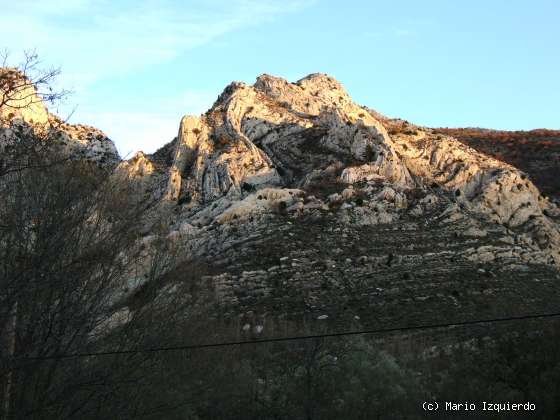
(306, 204)
(20, 98)
(305, 149)
(25, 112)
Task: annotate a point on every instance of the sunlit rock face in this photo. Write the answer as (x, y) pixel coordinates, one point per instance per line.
(19, 98)
(276, 133)
(214, 160)
(309, 138)
(83, 140)
(481, 184)
(23, 110)
(139, 166)
(304, 202)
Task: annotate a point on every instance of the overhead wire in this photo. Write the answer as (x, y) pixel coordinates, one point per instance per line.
(385, 330)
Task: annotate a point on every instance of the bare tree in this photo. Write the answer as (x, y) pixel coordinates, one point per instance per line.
(69, 244)
(69, 240)
(15, 82)
(22, 87)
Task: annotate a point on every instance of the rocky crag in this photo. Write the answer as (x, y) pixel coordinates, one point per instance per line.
(267, 146)
(25, 112)
(536, 152)
(307, 206)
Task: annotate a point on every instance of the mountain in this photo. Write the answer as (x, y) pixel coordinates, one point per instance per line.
(302, 204)
(363, 247)
(307, 205)
(27, 113)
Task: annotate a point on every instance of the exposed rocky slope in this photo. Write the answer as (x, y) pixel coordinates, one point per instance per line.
(24, 111)
(305, 203)
(276, 140)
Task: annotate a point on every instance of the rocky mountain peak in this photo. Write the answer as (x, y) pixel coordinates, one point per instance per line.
(291, 143)
(311, 94)
(278, 133)
(304, 205)
(306, 148)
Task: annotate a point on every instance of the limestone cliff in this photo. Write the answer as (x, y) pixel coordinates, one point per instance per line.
(304, 203)
(306, 136)
(23, 110)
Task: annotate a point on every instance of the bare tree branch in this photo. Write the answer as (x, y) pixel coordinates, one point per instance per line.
(15, 81)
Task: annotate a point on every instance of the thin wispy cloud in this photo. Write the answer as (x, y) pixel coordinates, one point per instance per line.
(135, 131)
(403, 32)
(373, 34)
(96, 42)
(84, 38)
(407, 27)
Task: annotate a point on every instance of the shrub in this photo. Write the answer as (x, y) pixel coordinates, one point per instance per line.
(370, 153)
(280, 207)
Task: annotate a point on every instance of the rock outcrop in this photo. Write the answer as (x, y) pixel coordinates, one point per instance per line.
(23, 111)
(306, 204)
(19, 98)
(275, 133)
(535, 152)
(310, 137)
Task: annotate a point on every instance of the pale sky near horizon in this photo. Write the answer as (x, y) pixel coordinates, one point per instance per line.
(136, 67)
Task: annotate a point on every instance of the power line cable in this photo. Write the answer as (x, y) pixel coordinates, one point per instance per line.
(297, 338)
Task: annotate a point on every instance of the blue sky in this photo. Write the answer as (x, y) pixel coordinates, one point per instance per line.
(137, 66)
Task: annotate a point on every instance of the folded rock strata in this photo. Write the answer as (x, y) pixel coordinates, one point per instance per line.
(310, 135)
